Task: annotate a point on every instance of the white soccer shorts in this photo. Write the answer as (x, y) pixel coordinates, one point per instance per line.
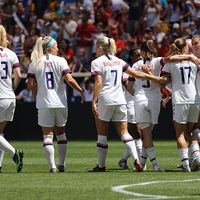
(115, 113)
(183, 113)
(50, 117)
(7, 109)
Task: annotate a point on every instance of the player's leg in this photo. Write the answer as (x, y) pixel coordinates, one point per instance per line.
(62, 147)
(193, 144)
(148, 147)
(120, 119)
(61, 119)
(7, 109)
(48, 147)
(130, 118)
(196, 131)
(102, 144)
(136, 133)
(46, 121)
(182, 145)
(2, 127)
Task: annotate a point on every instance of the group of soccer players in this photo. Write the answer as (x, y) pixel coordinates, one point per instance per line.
(179, 74)
(133, 106)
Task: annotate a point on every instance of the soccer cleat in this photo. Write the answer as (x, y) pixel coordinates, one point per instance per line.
(138, 166)
(97, 169)
(180, 166)
(61, 168)
(18, 159)
(123, 164)
(195, 164)
(52, 170)
(157, 168)
(186, 169)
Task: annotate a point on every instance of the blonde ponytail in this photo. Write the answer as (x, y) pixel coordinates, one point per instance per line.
(107, 44)
(37, 52)
(41, 47)
(3, 37)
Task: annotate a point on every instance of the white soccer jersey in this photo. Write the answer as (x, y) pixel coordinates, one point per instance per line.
(129, 97)
(51, 92)
(111, 69)
(198, 81)
(8, 61)
(183, 75)
(148, 90)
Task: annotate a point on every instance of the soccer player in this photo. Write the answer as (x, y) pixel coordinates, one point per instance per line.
(134, 56)
(147, 101)
(46, 78)
(185, 100)
(8, 63)
(196, 48)
(108, 69)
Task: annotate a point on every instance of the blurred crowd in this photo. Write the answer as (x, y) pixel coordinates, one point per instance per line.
(76, 25)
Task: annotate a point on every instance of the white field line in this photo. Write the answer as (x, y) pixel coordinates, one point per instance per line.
(122, 189)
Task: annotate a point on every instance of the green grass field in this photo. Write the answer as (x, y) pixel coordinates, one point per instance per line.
(36, 183)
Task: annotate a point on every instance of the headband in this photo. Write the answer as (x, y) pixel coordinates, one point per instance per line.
(49, 44)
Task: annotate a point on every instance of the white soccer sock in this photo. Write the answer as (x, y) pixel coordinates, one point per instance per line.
(184, 157)
(130, 145)
(143, 157)
(194, 149)
(1, 153)
(196, 133)
(152, 156)
(49, 150)
(6, 146)
(138, 143)
(126, 153)
(62, 148)
(102, 148)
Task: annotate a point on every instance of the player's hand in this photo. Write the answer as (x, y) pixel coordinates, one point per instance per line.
(82, 96)
(94, 109)
(195, 60)
(147, 69)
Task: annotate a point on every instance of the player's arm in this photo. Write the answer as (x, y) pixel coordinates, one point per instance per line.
(17, 77)
(144, 76)
(167, 76)
(148, 70)
(32, 85)
(97, 89)
(72, 82)
(182, 57)
(130, 85)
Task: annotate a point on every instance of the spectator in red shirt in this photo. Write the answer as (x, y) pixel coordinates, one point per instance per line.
(66, 52)
(119, 43)
(84, 37)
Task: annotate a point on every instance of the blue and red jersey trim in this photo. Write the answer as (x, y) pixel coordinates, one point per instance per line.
(30, 75)
(95, 73)
(125, 67)
(15, 65)
(66, 71)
